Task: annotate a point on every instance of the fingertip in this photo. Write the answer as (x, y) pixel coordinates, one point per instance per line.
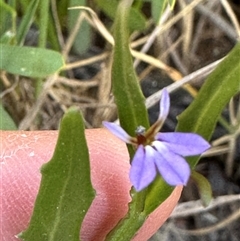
(23, 153)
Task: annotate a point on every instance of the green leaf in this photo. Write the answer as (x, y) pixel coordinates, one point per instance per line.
(6, 122)
(66, 191)
(158, 7)
(136, 20)
(7, 38)
(8, 18)
(202, 115)
(43, 23)
(126, 89)
(28, 61)
(171, 3)
(204, 188)
(62, 10)
(83, 39)
(138, 4)
(26, 22)
(52, 34)
(157, 193)
(52, 37)
(132, 113)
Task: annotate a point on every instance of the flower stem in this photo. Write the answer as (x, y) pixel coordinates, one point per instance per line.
(126, 229)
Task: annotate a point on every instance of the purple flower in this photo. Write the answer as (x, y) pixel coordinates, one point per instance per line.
(158, 152)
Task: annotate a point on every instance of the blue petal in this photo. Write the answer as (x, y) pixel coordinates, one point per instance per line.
(143, 170)
(184, 144)
(117, 131)
(164, 105)
(173, 168)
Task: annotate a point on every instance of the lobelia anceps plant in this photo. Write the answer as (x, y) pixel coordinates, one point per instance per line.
(158, 152)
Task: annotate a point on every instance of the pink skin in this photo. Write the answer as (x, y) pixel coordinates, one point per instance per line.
(23, 153)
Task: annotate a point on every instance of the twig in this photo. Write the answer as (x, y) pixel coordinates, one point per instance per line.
(218, 21)
(57, 23)
(176, 58)
(154, 34)
(28, 119)
(195, 207)
(232, 16)
(187, 32)
(203, 231)
(73, 34)
(218, 150)
(78, 83)
(11, 88)
(88, 61)
(201, 73)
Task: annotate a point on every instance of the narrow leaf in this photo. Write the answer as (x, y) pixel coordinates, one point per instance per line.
(7, 38)
(83, 39)
(43, 23)
(26, 22)
(202, 115)
(204, 188)
(136, 20)
(7, 12)
(66, 191)
(157, 9)
(28, 61)
(132, 113)
(128, 96)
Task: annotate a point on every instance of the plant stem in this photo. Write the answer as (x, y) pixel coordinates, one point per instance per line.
(130, 224)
